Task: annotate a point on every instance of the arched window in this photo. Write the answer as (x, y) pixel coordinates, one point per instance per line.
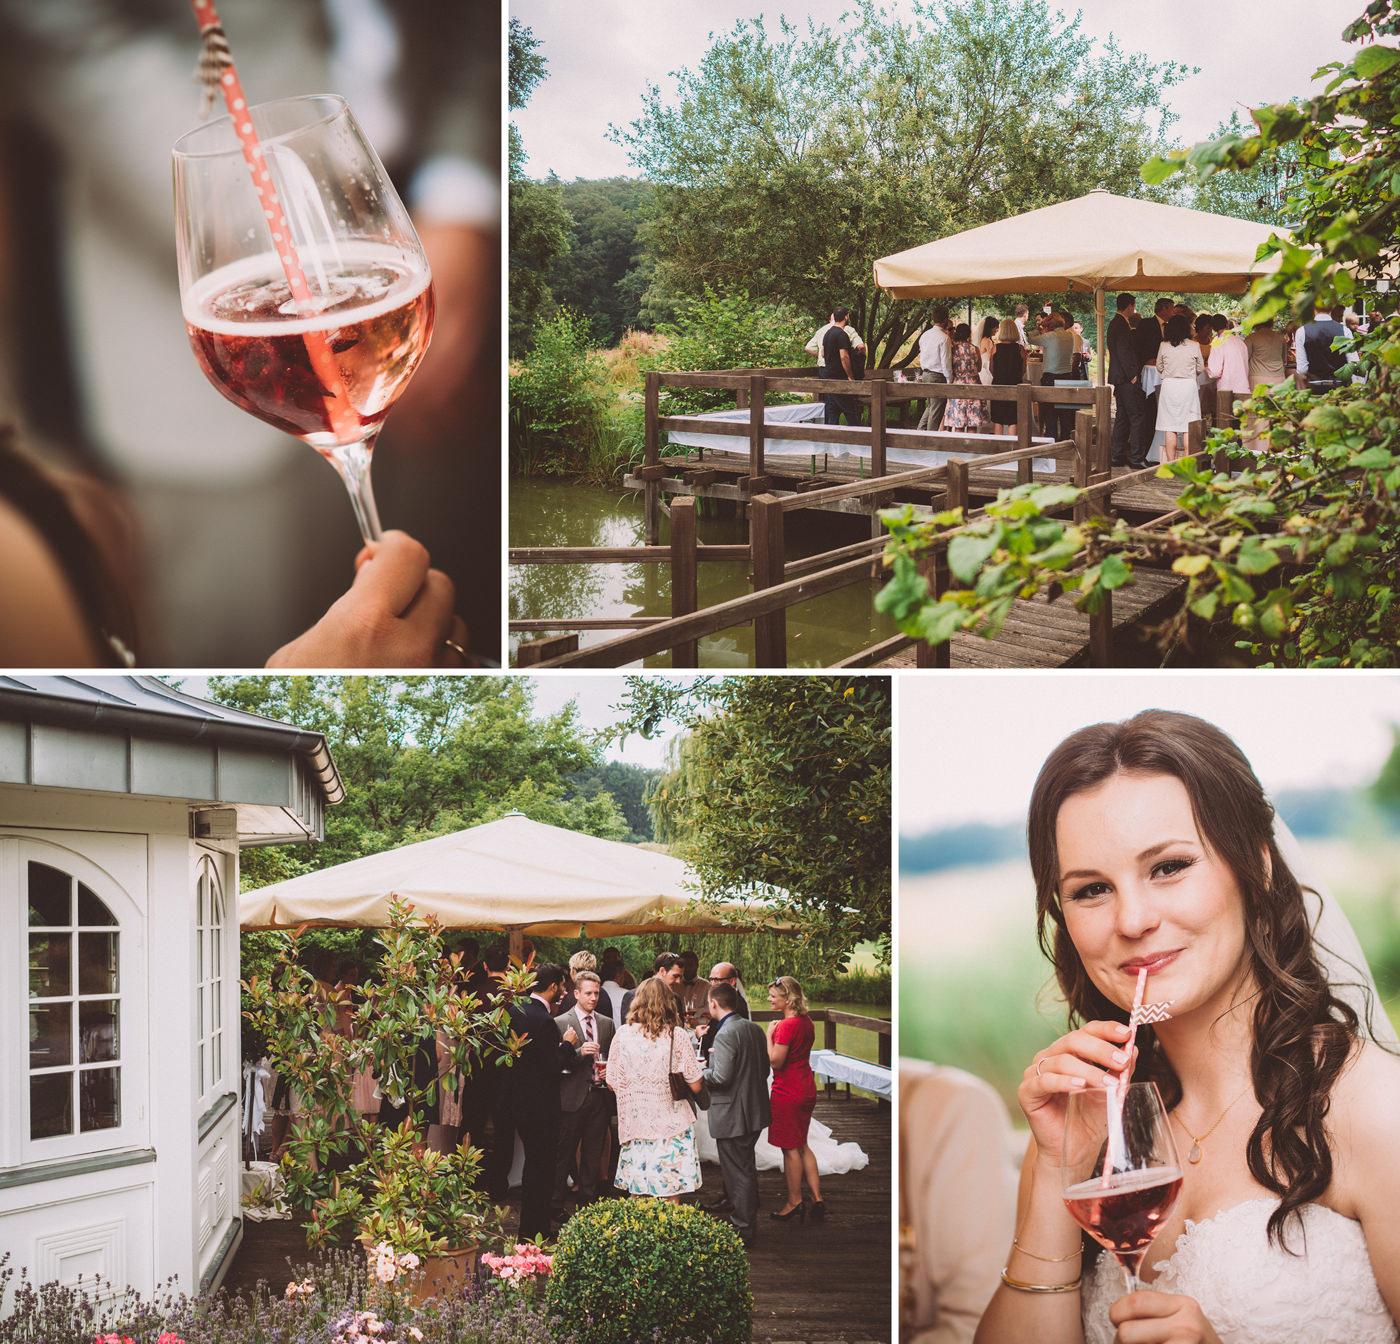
(209, 1008)
(75, 1007)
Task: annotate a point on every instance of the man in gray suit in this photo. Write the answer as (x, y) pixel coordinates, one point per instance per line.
(737, 1076)
(586, 1123)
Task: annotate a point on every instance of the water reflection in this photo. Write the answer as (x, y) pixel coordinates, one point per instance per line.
(545, 512)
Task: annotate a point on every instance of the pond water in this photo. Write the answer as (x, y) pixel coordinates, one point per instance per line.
(553, 512)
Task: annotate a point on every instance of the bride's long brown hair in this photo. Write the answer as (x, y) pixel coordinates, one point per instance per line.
(1303, 1034)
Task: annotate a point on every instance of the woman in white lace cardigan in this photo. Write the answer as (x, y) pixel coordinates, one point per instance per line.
(1152, 845)
(657, 1132)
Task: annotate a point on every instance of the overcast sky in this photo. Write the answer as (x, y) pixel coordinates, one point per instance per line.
(602, 55)
(969, 748)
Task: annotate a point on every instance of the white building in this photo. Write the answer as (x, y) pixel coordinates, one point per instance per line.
(123, 807)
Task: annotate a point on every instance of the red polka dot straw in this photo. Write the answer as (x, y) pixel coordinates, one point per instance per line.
(217, 71)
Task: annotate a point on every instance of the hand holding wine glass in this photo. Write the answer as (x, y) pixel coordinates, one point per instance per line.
(1119, 1171)
(306, 292)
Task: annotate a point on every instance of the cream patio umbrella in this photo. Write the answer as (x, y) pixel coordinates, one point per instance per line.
(514, 875)
(1095, 243)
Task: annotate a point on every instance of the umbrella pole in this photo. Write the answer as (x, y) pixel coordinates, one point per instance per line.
(1098, 323)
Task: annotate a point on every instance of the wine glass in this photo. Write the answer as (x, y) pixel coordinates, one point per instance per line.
(1119, 1171)
(326, 360)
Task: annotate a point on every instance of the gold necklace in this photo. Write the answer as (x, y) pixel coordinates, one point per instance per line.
(1197, 1152)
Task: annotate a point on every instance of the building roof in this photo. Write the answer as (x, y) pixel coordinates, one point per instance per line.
(135, 735)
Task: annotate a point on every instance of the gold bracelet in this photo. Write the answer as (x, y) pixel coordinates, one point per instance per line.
(1049, 1259)
(1040, 1287)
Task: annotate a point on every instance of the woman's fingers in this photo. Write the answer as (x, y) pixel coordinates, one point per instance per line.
(390, 572)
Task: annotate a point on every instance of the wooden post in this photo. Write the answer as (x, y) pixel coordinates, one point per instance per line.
(1196, 438)
(651, 490)
(651, 394)
(828, 1034)
(757, 384)
(766, 541)
(685, 587)
(957, 485)
(517, 944)
(1102, 462)
(1225, 418)
(933, 566)
(1101, 634)
(1023, 431)
(1084, 475)
(537, 650)
(883, 1048)
(878, 389)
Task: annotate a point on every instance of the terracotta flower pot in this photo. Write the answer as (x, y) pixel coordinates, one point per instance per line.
(436, 1274)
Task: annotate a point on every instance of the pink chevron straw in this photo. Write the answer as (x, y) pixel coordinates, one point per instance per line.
(1149, 1013)
(216, 68)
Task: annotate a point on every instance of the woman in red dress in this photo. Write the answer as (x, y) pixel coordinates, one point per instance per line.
(790, 1040)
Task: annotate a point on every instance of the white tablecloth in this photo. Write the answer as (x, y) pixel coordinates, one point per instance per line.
(807, 412)
(874, 1078)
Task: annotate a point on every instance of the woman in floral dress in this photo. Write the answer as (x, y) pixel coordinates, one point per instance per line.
(657, 1133)
(967, 416)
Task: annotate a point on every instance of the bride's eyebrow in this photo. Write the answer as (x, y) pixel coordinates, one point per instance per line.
(1151, 852)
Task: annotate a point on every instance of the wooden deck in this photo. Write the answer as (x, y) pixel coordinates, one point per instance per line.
(813, 1283)
(1040, 634)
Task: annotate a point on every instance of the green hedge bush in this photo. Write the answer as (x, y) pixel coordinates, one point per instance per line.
(644, 1269)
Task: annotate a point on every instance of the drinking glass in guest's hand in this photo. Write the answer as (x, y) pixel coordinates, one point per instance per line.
(326, 362)
(1119, 1171)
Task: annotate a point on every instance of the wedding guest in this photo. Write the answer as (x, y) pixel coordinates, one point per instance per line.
(1229, 363)
(1125, 376)
(737, 1075)
(1057, 348)
(583, 960)
(957, 1200)
(613, 969)
(1268, 354)
(986, 347)
(586, 1103)
(1179, 364)
(657, 1130)
(1008, 369)
(667, 968)
(838, 363)
(532, 1093)
(961, 413)
(1317, 362)
(935, 363)
(794, 1097)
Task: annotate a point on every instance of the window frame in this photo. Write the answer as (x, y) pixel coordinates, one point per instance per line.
(16, 854)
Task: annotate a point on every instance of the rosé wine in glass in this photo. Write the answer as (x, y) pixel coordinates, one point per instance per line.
(1120, 1175)
(376, 321)
(306, 292)
(1124, 1218)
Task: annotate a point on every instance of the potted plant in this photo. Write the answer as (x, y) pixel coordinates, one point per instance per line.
(346, 1174)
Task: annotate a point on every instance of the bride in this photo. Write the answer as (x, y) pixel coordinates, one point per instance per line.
(1153, 845)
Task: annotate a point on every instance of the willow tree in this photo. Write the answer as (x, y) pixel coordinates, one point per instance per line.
(782, 783)
(789, 162)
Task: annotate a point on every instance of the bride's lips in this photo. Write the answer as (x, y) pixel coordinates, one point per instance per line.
(1158, 961)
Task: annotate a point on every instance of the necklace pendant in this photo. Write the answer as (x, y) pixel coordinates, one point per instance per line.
(1194, 1155)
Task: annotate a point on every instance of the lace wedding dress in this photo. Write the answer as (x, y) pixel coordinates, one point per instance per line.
(1255, 1293)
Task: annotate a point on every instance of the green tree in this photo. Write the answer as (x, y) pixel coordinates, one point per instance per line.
(725, 331)
(628, 786)
(789, 162)
(539, 224)
(425, 756)
(1298, 550)
(601, 275)
(1267, 192)
(783, 783)
(558, 401)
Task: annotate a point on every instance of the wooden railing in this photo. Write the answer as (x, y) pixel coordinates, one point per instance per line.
(779, 584)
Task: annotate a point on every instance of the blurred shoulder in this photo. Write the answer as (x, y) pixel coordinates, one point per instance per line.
(41, 622)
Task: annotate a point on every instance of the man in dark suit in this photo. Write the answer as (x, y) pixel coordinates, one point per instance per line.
(532, 1089)
(1125, 374)
(588, 1105)
(737, 1076)
(1148, 339)
(723, 973)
